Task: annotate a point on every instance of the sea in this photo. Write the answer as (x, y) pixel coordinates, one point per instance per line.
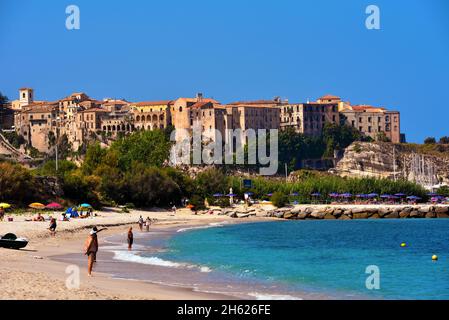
(289, 260)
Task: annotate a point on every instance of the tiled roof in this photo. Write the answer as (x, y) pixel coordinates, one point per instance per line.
(329, 97)
(153, 103)
(255, 102)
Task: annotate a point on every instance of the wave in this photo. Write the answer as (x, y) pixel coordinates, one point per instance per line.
(267, 296)
(210, 225)
(155, 261)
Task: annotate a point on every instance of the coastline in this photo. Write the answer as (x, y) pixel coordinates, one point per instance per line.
(34, 273)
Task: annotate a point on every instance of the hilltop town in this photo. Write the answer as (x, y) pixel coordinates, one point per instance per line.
(81, 118)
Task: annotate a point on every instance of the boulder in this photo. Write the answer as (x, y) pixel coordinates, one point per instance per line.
(233, 214)
(308, 210)
(442, 209)
(296, 210)
(279, 214)
(392, 215)
(374, 216)
(358, 210)
(361, 215)
(407, 209)
(337, 212)
(329, 216)
(404, 214)
(424, 209)
(318, 214)
(303, 215)
(417, 214)
(442, 215)
(345, 217)
(431, 215)
(384, 211)
(290, 215)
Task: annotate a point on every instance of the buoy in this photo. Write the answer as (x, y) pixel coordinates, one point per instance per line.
(434, 257)
(403, 244)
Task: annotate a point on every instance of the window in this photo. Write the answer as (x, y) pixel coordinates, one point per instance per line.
(360, 119)
(333, 118)
(180, 109)
(369, 129)
(353, 123)
(369, 119)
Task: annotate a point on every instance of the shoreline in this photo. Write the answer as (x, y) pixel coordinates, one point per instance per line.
(33, 272)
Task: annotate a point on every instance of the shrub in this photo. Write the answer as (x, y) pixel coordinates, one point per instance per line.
(17, 184)
(279, 199)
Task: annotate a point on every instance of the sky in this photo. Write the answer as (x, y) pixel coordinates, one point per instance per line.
(235, 50)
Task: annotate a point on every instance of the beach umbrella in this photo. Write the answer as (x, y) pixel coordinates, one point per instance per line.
(361, 196)
(373, 195)
(346, 195)
(316, 194)
(5, 205)
(53, 205)
(413, 198)
(432, 194)
(334, 195)
(385, 196)
(217, 195)
(85, 205)
(37, 205)
(269, 194)
(231, 195)
(400, 194)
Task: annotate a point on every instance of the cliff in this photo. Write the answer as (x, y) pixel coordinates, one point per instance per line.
(424, 165)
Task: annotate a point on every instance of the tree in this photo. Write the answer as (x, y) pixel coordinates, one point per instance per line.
(16, 183)
(148, 147)
(430, 140)
(210, 181)
(94, 157)
(3, 99)
(279, 199)
(444, 140)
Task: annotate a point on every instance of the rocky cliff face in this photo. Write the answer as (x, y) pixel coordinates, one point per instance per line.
(386, 160)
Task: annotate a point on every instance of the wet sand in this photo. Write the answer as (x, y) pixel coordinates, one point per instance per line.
(36, 273)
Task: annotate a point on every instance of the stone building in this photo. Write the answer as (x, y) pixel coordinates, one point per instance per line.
(374, 122)
(310, 118)
(149, 115)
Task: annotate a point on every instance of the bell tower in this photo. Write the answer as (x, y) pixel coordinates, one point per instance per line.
(26, 96)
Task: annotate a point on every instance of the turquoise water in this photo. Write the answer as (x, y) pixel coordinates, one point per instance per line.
(329, 257)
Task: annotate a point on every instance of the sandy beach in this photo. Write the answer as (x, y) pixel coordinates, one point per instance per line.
(31, 273)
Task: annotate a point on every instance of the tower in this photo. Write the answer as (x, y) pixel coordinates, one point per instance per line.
(26, 96)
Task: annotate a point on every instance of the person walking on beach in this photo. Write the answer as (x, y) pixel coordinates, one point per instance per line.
(91, 249)
(140, 222)
(130, 238)
(173, 209)
(147, 224)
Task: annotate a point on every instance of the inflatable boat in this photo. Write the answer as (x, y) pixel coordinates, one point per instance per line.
(11, 241)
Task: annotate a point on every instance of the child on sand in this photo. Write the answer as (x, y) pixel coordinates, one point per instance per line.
(52, 227)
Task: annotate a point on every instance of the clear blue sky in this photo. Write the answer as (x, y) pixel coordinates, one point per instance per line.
(232, 50)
